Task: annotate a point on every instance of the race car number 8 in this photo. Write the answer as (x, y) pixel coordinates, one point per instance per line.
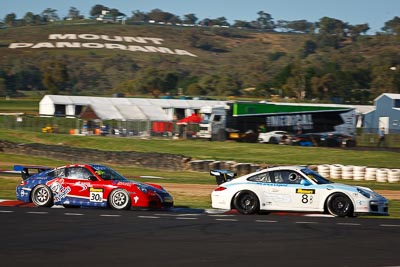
(305, 199)
(96, 196)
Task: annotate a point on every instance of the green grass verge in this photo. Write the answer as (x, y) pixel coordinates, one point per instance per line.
(200, 149)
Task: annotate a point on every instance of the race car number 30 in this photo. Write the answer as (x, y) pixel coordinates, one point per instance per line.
(96, 195)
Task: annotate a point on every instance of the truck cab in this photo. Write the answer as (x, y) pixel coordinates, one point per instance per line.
(213, 123)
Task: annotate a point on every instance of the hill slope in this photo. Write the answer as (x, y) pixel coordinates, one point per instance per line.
(92, 59)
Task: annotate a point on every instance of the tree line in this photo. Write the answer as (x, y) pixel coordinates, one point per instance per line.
(264, 21)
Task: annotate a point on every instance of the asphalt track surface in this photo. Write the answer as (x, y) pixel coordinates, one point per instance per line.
(102, 237)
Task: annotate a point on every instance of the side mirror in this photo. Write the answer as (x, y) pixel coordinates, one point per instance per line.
(92, 178)
(305, 182)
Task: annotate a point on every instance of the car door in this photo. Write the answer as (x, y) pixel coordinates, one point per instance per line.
(287, 192)
(84, 189)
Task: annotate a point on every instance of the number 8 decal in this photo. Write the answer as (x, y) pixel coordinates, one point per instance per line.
(305, 199)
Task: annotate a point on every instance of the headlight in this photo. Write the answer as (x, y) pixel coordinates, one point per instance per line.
(362, 192)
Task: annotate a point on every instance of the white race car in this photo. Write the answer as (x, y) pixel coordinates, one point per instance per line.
(293, 188)
(273, 137)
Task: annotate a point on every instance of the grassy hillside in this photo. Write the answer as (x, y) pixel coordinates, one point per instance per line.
(226, 62)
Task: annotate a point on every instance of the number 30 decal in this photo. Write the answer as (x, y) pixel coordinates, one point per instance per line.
(96, 195)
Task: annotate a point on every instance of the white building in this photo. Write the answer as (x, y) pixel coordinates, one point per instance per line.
(385, 114)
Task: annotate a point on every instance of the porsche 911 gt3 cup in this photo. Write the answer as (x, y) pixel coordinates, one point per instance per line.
(90, 185)
(293, 188)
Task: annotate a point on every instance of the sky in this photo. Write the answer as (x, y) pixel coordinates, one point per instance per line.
(373, 12)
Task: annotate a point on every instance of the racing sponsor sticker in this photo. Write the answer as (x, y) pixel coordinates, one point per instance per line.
(96, 194)
(305, 191)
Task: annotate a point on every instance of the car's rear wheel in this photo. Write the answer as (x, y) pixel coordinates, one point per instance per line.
(340, 205)
(42, 196)
(246, 202)
(119, 200)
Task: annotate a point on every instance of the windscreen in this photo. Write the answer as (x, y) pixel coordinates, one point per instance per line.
(315, 176)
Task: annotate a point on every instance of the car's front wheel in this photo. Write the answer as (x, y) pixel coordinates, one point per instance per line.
(340, 205)
(119, 200)
(42, 196)
(273, 140)
(246, 202)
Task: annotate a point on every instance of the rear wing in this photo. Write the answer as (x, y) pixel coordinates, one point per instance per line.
(24, 169)
(222, 176)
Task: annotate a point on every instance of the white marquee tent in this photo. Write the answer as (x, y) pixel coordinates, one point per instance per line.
(125, 109)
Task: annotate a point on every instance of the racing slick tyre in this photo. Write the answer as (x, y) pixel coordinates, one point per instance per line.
(42, 196)
(119, 200)
(273, 140)
(340, 205)
(246, 202)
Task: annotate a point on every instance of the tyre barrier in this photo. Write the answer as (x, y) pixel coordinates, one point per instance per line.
(382, 175)
(370, 174)
(359, 173)
(347, 172)
(394, 175)
(335, 171)
(324, 170)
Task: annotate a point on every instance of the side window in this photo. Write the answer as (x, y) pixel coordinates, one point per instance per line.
(261, 177)
(278, 177)
(78, 173)
(58, 173)
(286, 177)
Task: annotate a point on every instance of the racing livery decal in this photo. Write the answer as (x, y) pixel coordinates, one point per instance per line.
(305, 191)
(60, 192)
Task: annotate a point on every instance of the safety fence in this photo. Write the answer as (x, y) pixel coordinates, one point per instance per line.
(76, 126)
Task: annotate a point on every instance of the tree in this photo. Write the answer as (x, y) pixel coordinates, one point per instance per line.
(55, 75)
(265, 21)
(74, 13)
(97, 10)
(331, 31)
(209, 83)
(385, 79)
(139, 16)
(115, 13)
(309, 47)
(50, 14)
(29, 18)
(161, 16)
(221, 21)
(228, 85)
(331, 26)
(392, 26)
(3, 87)
(242, 24)
(10, 19)
(195, 89)
(322, 86)
(300, 26)
(189, 19)
(356, 30)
